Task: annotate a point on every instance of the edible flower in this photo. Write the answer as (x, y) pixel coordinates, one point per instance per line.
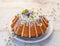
(25, 11)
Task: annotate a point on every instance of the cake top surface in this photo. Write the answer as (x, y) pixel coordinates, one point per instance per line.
(29, 15)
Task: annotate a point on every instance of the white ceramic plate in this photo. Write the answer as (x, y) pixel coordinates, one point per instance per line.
(39, 39)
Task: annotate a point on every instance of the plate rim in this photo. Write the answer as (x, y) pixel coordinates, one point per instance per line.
(51, 30)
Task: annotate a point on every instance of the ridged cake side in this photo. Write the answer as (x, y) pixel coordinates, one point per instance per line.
(29, 29)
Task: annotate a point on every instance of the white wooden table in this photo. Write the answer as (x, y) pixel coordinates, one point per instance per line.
(9, 8)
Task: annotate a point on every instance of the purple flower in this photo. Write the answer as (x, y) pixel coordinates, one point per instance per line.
(28, 14)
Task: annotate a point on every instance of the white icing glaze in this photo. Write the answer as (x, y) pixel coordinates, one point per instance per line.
(23, 31)
(40, 27)
(35, 30)
(33, 16)
(29, 31)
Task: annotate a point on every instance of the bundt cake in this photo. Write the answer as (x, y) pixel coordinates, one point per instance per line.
(29, 24)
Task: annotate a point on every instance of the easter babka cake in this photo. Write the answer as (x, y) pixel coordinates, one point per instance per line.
(29, 24)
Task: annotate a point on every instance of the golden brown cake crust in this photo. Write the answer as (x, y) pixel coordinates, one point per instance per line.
(14, 21)
(39, 29)
(26, 31)
(19, 30)
(32, 31)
